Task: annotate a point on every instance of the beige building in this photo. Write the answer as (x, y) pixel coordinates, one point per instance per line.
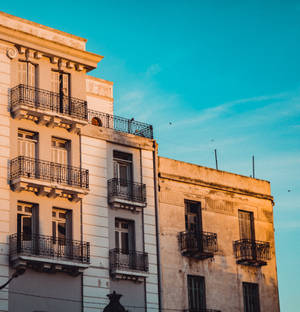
(77, 187)
(217, 245)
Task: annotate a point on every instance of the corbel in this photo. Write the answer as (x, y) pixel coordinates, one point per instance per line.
(79, 67)
(54, 59)
(37, 55)
(61, 63)
(70, 65)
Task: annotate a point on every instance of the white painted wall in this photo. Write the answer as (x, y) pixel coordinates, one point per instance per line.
(4, 187)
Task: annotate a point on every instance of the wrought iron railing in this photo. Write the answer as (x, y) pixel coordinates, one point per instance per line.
(251, 251)
(26, 167)
(48, 247)
(198, 243)
(201, 310)
(128, 190)
(120, 124)
(48, 101)
(128, 260)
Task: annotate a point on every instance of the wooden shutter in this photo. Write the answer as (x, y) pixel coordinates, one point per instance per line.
(196, 293)
(55, 82)
(251, 297)
(246, 225)
(22, 71)
(30, 75)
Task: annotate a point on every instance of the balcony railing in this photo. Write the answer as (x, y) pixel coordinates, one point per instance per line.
(126, 190)
(36, 245)
(48, 101)
(25, 167)
(121, 124)
(251, 252)
(128, 261)
(201, 310)
(200, 245)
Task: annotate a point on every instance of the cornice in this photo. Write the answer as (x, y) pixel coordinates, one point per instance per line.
(50, 48)
(215, 186)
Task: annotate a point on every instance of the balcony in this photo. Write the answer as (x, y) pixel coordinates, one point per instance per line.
(120, 124)
(251, 252)
(201, 310)
(48, 178)
(126, 194)
(129, 265)
(48, 108)
(199, 245)
(44, 253)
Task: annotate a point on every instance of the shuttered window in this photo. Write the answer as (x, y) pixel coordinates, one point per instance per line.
(59, 151)
(246, 225)
(251, 297)
(27, 143)
(27, 73)
(196, 293)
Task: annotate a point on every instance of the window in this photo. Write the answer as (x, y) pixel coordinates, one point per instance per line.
(251, 297)
(193, 218)
(59, 151)
(124, 235)
(27, 221)
(60, 86)
(27, 73)
(196, 293)
(122, 166)
(27, 142)
(246, 223)
(61, 226)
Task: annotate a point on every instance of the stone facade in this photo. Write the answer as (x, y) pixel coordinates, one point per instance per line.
(66, 193)
(220, 196)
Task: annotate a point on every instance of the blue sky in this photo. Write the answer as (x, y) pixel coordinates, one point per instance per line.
(206, 74)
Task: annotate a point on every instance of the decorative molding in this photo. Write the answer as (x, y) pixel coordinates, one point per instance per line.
(11, 52)
(79, 67)
(61, 63)
(37, 55)
(216, 186)
(54, 59)
(70, 65)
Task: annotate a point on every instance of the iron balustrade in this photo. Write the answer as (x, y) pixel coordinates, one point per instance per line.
(127, 190)
(48, 101)
(202, 310)
(26, 167)
(23, 244)
(251, 251)
(120, 124)
(128, 260)
(200, 244)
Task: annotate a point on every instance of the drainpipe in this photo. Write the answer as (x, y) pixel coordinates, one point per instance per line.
(16, 274)
(155, 173)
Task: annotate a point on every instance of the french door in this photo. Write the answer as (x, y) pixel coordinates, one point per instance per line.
(60, 86)
(59, 159)
(61, 232)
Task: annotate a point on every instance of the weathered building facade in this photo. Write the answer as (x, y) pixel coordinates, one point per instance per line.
(77, 187)
(216, 240)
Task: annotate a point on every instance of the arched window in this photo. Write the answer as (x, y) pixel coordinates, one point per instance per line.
(96, 122)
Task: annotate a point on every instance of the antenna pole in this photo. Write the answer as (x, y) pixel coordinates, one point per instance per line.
(253, 167)
(216, 157)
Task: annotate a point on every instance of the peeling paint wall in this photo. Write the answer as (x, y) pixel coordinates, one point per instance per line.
(221, 195)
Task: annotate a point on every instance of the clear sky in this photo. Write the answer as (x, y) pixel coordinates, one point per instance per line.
(206, 74)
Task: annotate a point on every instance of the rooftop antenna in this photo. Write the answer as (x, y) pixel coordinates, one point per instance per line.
(253, 167)
(216, 157)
